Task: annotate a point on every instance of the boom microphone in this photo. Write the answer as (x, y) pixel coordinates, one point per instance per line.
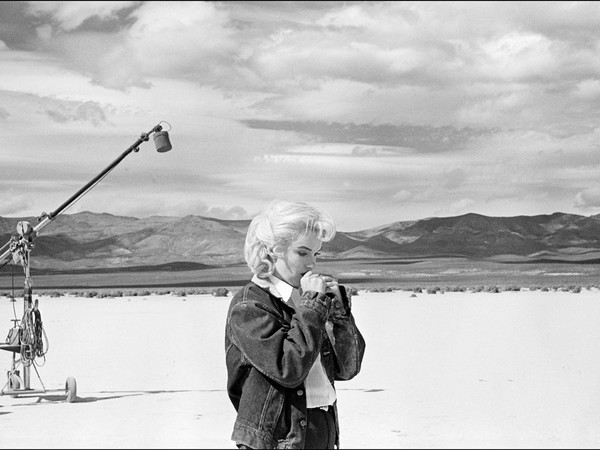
(162, 142)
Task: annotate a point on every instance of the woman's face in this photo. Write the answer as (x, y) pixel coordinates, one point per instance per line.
(293, 262)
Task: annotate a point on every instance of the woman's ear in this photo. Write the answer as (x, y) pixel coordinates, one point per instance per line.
(277, 252)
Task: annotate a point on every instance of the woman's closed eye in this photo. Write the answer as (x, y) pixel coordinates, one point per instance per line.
(303, 254)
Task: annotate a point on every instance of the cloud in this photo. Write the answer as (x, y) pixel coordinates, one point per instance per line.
(72, 14)
(13, 203)
(422, 138)
(402, 196)
(152, 39)
(168, 205)
(422, 105)
(33, 122)
(233, 213)
(337, 62)
(461, 206)
(56, 110)
(350, 16)
(85, 112)
(588, 198)
(518, 55)
(453, 179)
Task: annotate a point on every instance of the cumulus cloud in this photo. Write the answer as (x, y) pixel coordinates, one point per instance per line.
(434, 105)
(24, 111)
(13, 203)
(89, 111)
(588, 198)
(150, 39)
(332, 62)
(72, 14)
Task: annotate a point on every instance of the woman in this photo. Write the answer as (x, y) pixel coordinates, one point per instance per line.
(290, 334)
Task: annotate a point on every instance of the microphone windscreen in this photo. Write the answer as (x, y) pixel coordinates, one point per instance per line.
(162, 142)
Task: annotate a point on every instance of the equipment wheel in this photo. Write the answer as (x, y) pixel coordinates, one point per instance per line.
(70, 390)
(14, 382)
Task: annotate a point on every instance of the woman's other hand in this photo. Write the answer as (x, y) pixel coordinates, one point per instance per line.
(332, 286)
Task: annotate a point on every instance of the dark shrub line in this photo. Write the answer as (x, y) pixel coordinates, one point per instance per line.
(352, 290)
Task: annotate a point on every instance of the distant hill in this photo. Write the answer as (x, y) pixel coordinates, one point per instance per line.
(90, 241)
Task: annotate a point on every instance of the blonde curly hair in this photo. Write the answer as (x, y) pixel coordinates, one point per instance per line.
(280, 224)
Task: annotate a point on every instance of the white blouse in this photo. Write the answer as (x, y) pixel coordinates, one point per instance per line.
(319, 391)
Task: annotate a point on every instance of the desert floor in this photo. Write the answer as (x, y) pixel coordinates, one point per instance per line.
(453, 370)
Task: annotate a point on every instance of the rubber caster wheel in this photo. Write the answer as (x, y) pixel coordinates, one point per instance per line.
(14, 383)
(70, 390)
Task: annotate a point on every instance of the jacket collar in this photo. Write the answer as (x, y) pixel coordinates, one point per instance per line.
(277, 287)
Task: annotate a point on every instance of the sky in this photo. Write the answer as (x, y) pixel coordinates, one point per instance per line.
(375, 112)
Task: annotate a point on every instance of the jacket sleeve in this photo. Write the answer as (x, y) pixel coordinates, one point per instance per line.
(283, 352)
(346, 339)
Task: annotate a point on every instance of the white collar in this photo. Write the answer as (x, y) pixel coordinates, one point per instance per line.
(277, 287)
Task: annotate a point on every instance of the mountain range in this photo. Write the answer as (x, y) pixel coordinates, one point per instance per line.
(86, 241)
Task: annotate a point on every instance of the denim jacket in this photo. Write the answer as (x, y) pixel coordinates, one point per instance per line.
(270, 348)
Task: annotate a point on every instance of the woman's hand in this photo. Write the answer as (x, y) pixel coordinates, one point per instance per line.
(332, 286)
(313, 282)
(338, 309)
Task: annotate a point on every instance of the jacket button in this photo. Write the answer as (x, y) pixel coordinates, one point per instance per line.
(300, 392)
(337, 305)
(303, 423)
